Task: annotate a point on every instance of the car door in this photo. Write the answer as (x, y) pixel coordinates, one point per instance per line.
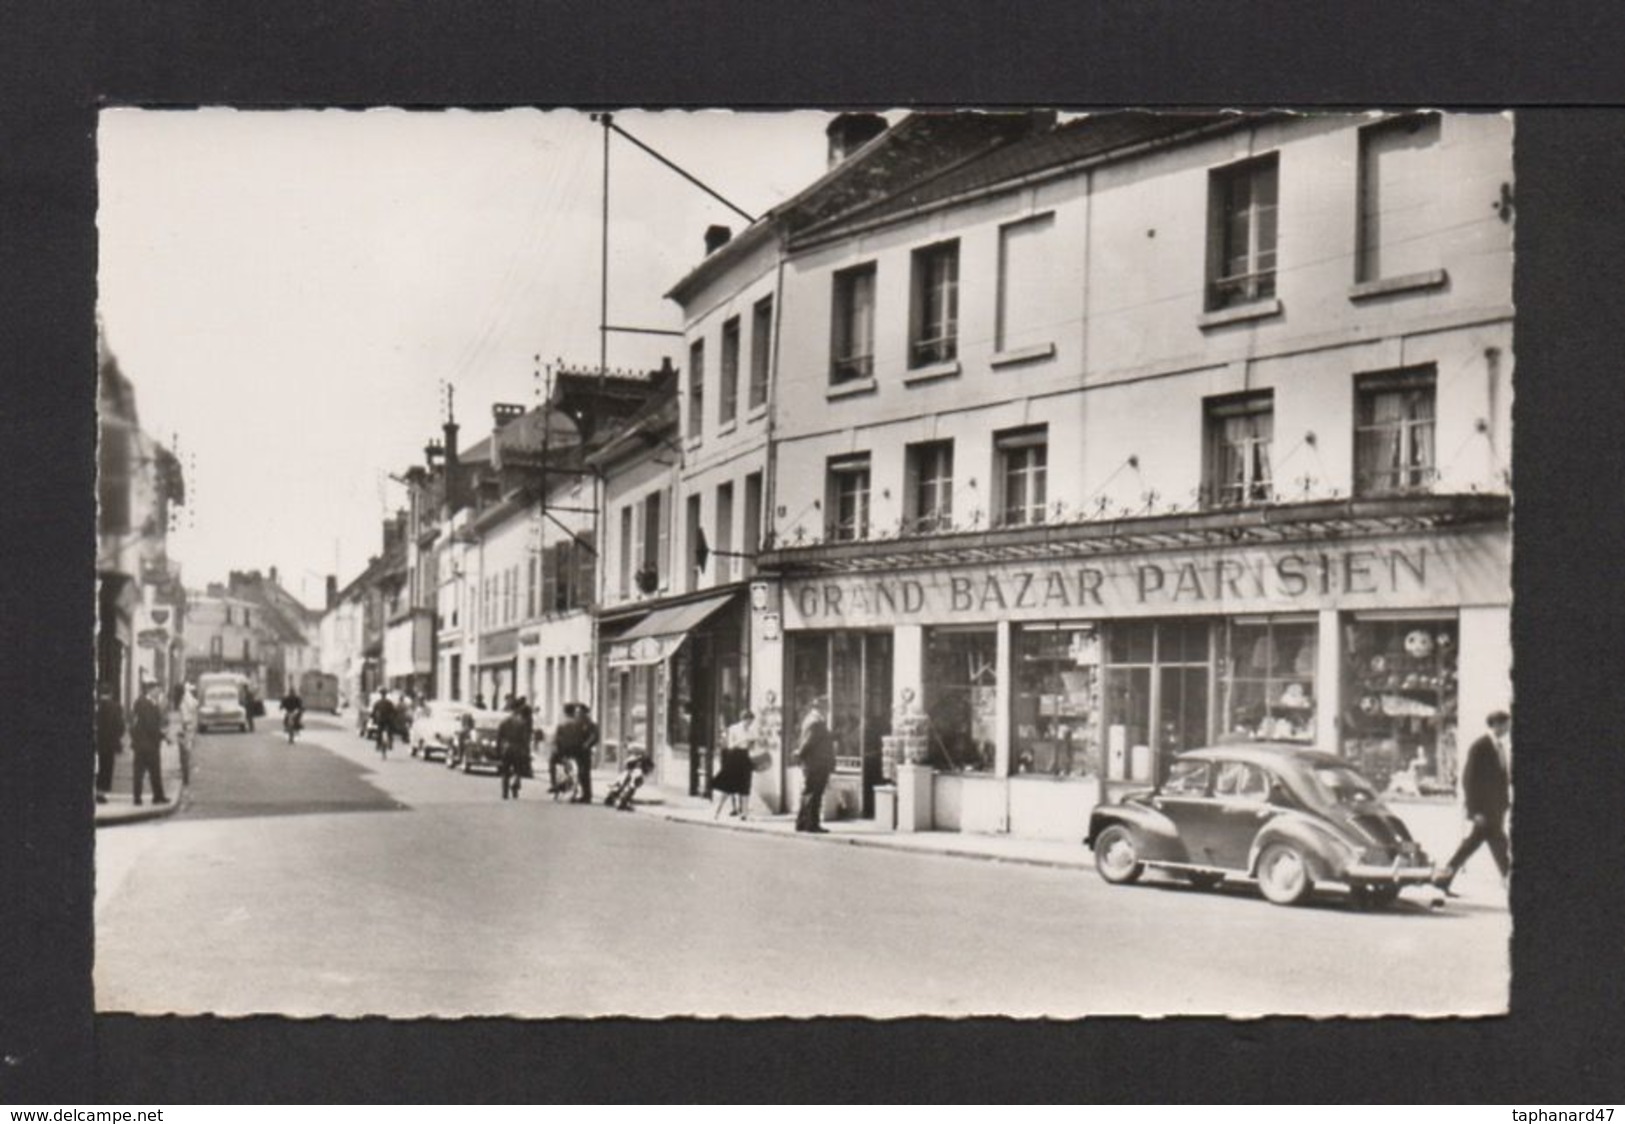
(1186, 800)
(1241, 799)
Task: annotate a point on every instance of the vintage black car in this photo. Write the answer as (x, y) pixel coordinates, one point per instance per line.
(478, 749)
(1292, 818)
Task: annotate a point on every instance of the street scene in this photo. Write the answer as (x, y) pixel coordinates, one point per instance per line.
(750, 565)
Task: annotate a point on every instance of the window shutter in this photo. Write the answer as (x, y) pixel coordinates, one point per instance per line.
(662, 511)
(586, 572)
(550, 578)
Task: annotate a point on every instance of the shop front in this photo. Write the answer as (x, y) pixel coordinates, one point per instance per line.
(675, 677)
(496, 666)
(1033, 689)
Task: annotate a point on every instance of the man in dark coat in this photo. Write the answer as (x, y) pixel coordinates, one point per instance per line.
(383, 721)
(815, 752)
(586, 737)
(1485, 792)
(109, 740)
(146, 738)
(513, 750)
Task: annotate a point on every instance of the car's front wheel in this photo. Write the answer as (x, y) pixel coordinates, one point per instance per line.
(1117, 855)
(1283, 874)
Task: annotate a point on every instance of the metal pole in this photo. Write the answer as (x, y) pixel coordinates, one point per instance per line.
(603, 277)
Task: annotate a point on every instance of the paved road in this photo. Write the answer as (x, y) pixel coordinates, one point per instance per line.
(317, 879)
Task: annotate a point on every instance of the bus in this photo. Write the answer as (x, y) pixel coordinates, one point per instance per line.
(320, 691)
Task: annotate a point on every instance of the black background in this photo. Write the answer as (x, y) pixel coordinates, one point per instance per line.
(1565, 1039)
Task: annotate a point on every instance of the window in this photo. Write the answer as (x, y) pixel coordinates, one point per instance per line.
(934, 308)
(848, 498)
(752, 541)
(248, 618)
(961, 698)
(696, 388)
(530, 585)
(761, 350)
(1022, 458)
(1393, 437)
(1056, 701)
(1269, 681)
(228, 614)
(1398, 721)
(728, 391)
(721, 562)
(1030, 293)
(1239, 431)
(1241, 233)
(626, 550)
(852, 344)
(931, 487)
(1398, 182)
(654, 545)
(217, 646)
(692, 540)
(247, 651)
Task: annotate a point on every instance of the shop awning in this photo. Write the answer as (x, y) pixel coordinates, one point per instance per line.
(657, 636)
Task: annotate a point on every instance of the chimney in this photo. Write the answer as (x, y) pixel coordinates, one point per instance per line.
(849, 132)
(273, 575)
(332, 591)
(454, 471)
(716, 237)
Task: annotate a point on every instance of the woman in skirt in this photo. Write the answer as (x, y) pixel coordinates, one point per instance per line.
(733, 777)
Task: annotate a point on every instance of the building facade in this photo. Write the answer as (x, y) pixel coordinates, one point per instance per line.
(1142, 432)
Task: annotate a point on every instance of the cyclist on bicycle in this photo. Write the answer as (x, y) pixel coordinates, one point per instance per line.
(293, 712)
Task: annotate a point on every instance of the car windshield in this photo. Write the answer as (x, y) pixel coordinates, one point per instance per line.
(221, 696)
(1341, 785)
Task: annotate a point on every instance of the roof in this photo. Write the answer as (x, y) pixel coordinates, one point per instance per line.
(917, 147)
(1085, 139)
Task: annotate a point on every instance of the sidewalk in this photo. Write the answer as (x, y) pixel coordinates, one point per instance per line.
(1437, 826)
(121, 807)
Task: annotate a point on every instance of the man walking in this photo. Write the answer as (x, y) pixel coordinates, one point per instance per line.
(146, 738)
(1484, 789)
(815, 752)
(188, 711)
(586, 737)
(513, 750)
(109, 740)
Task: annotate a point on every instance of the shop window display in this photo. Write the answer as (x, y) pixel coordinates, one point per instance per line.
(1057, 702)
(961, 698)
(1269, 685)
(1399, 703)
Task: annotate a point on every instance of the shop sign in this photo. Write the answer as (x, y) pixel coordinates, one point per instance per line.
(153, 638)
(643, 651)
(1443, 571)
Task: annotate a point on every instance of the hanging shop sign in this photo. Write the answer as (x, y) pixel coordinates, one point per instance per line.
(644, 650)
(1439, 571)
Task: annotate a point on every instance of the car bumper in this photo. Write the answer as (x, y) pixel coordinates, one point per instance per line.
(1396, 873)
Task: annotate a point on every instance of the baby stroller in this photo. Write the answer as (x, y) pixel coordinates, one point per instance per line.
(637, 767)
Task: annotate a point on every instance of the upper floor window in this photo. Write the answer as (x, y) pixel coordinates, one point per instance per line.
(847, 493)
(626, 550)
(1239, 431)
(728, 388)
(1030, 297)
(931, 486)
(752, 540)
(1242, 205)
(652, 549)
(852, 339)
(693, 540)
(1022, 462)
(934, 307)
(696, 388)
(228, 614)
(761, 350)
(1398, 181)
(723, 548)
(1393, 432)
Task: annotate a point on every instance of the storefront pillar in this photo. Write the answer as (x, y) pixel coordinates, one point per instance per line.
(1485, 671)
(1328, 682)
(1001, 693)
(908, 661)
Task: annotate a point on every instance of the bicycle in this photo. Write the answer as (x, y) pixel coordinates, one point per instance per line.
(291, 723)
(568, 785)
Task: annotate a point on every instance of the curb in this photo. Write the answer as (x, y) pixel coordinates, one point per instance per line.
(143, 814)
(878, 841)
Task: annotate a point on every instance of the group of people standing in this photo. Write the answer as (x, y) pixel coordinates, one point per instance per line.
(147, 727)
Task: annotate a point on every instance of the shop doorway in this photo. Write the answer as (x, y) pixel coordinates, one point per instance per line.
(1158, 695)
(850, 674)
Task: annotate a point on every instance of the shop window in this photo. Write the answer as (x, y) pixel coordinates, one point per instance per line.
(761, 350)
(847, 498)
(696, 388)
(1056, 704)
(1394, 432)
(1399, 703)
(1022, 464)
(1398, 184)
(961, 698)
(1269, 681)
(934, 307)
(1242, 205)
(852, 329)
(849, 676)
(1239, 432)
(728, 390)
(931, 487)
